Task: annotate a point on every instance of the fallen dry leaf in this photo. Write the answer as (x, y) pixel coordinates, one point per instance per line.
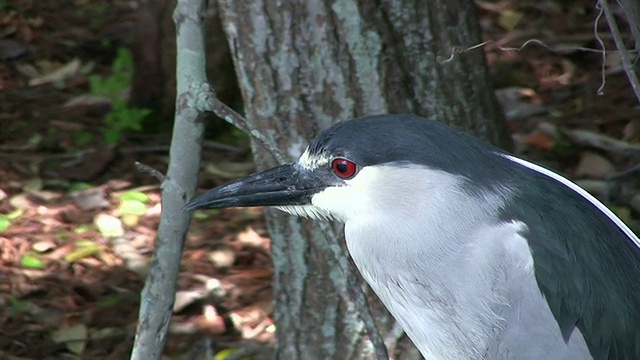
(70, 69)
(251, 238)
(109, 226)
(43, 246)
(539, 140)
(594, 165)
(73, 337)
(222, 256)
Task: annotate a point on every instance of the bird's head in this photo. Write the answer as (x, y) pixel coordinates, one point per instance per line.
(361, 168)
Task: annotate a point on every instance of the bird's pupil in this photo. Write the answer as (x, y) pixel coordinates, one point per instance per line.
(343, 168)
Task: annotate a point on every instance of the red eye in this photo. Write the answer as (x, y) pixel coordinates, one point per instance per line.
(344, 168)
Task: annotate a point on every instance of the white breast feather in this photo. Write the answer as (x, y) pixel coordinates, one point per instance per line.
(442, 265)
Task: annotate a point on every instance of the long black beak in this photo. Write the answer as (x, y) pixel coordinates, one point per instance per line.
(288, 184)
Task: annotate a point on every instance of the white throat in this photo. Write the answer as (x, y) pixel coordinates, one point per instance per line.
(439, 287)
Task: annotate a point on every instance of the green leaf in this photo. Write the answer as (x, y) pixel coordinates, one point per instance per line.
(133, 207)
(18, 305)
(109, 302)
(85, 243)
(82, 138)
(200, 215)
(79, 186)
(86, 249)
(82, 229)
(14, 214)
(509, 19)
(135, 195)
(111, 136)
(31, 262)
(4, 223)
(56, 183)
(122, 116)
(556, 113)
(562, 145)
(227, 353)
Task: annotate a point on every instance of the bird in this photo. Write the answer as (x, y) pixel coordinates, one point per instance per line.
(477, 253)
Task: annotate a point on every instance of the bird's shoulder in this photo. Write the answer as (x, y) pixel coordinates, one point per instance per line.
(586, 264)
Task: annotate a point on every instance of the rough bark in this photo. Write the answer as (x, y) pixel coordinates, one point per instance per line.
(304, 65)
(154, 49)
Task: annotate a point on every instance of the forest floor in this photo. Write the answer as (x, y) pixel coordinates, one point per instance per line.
(78, 219)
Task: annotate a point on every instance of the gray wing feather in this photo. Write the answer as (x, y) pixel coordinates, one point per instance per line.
(590, 279)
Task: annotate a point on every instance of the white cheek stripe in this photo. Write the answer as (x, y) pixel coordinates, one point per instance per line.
(310, 162)
(581, 192)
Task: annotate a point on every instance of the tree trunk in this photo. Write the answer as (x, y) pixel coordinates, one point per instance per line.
(154, 49)
(304, 65)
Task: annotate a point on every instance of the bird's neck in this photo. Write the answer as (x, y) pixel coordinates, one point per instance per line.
(443, 288)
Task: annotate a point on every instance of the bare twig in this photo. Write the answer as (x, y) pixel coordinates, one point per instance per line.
(220, 146)
(149, 170)
(77, 156)
(456, 50)
(207, 101)
(632, 12)
(603, 64)
(178, 186)
(622, 174)
(165, 148)
(603, 8)
(593, 139)
(624, 54)
(609, 179)
(603, 142)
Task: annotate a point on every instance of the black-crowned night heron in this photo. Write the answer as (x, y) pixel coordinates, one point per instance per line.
(476, 253)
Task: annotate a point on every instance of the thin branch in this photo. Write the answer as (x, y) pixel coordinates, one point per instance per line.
(592, 139)
(457, 50)
(632, 12)
(149, 170)
(603, 61)
(209, 144)
(617, 176)
(220, 146)
(624, 54)
(158, 295)
(208, 101)
(625, 173)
